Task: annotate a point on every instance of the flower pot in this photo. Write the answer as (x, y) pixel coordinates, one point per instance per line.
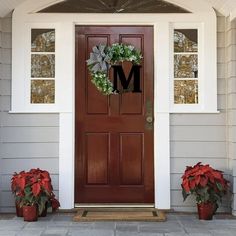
(30, 213)
(19, 210)
(205, 210)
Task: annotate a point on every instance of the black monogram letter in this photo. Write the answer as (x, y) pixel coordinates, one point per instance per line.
(118, 71)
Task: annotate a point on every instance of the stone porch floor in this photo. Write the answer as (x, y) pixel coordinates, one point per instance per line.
(61, 224)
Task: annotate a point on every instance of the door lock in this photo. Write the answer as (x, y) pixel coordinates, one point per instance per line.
(149, 119)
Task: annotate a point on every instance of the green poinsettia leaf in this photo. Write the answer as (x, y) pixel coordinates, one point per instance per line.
(219, 186)
(185, 195)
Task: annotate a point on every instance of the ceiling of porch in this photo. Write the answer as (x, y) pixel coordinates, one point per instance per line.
(226, 7)
(114, 6)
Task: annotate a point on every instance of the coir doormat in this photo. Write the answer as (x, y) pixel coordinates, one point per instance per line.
(119, 214)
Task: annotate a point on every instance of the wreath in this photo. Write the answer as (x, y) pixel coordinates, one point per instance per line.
(103, 57)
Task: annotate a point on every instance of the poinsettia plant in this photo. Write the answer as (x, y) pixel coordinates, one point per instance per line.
(205, 183)
(34, 188)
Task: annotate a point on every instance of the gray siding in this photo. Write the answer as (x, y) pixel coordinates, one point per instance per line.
(200, 137)
(26, 140)
(231, 105)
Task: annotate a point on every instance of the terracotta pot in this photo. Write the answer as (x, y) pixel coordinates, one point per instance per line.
(205, 210)
(19, 210)
(30, 213)
(45, 210)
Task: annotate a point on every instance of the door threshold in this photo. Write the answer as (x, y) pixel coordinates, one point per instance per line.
(111, 205)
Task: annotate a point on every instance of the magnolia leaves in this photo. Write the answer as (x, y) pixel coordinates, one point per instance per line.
(101, 59)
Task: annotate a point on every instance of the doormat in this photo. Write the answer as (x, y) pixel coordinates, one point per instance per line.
(120, 214)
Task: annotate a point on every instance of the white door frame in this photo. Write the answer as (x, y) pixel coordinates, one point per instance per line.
(161, 126)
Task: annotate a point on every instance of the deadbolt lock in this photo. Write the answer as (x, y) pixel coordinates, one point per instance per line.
(149, 119)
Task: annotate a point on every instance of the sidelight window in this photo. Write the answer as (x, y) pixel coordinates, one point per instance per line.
(186, 66)
(42, 66)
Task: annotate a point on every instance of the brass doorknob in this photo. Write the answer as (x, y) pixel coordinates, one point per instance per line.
(149, 119)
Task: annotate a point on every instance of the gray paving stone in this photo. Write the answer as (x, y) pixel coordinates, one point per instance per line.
(186, 217)
(49, 217)
(161, 224)
(161, 230)
(90, 232)
(191, 221)
(104, 225)
(219, 224)
(137, 234)
(82, 225)
(223, 232)
(176, 234)
(63, 218)
(59, 223)
(171, 217)
(54, 232)
(200, 234)
(198, 230)
(127, 227)
(29, 233)
(37, 224)
(11, 224)
(8, 233)
(165, 227)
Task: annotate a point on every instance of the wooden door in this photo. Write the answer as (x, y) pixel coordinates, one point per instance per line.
(114, 160)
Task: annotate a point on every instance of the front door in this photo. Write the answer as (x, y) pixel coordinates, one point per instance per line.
(114, 153)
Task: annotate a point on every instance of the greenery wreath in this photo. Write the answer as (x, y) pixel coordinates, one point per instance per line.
(103, 57)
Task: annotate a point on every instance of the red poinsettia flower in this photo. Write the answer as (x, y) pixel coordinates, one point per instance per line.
(36, 188)
(35, 183)
(206, 183)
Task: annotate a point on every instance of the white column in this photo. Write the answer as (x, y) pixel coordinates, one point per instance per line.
(162, 122)
(66, 161)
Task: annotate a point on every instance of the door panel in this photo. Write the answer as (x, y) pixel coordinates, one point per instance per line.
(131, 159)
(97, 174)
(113, 147)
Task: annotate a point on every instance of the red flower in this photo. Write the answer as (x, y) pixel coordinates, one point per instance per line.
(36, 188)
(205, 182)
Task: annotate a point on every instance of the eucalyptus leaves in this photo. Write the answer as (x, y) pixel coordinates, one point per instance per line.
(103, 57)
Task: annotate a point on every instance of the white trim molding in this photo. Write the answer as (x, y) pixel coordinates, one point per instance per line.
(24, 19)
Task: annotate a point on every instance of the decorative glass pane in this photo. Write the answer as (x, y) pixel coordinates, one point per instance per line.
(42, 66)
(42, 91)
(186, 40)
(43, 40)
(186, 66)
(186, 91)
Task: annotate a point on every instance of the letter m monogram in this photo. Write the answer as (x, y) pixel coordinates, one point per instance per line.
(135, 72)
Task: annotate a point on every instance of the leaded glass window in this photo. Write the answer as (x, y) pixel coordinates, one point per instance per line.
(186, 66)
(42, 66)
